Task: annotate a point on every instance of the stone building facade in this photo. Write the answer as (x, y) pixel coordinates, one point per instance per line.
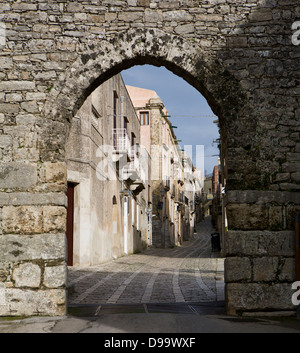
(239, 55)
(172, 172)
(108, 207)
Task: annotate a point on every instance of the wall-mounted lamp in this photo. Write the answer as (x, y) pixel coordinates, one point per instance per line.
(148, 210)
(125, 193)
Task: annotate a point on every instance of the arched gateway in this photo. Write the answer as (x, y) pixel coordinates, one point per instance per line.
(239, 55)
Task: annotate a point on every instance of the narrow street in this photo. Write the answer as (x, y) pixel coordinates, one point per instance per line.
(191, 273)
(161, 291)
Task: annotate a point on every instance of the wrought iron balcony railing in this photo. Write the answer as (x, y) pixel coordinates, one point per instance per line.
(121, 142)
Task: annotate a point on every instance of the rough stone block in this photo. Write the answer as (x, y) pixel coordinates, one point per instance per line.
(261, 297)
(276, 217)
(265, 269)
(17, 175)
(153, 16)
(56, 173)
(5, 141)
(16, 85)
(34, 199)
(237, 269)
(22, 220)
(55, 276)
(184, 29)
(296, 177)
(131, 16)
(27, 275)
(259, 243)
(260, 197)
(33, 302)
(247, 217)
(177, 15)
(16, 248)
(54, 219)
(9, 108)
(25, 119)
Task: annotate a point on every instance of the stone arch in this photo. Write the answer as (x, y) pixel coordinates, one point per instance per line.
(249, 78)
(106, 58)
(230, 101)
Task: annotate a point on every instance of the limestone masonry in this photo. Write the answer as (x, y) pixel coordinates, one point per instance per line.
(241, 58)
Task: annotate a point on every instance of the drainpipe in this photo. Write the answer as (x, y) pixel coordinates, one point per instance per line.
(122, 112)
(297, 246)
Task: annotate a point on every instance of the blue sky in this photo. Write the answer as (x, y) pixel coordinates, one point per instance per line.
(181, 99)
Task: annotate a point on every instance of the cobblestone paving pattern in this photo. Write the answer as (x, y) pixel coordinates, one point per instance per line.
(186, 274)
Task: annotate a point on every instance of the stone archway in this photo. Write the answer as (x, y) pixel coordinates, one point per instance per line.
(238, 76)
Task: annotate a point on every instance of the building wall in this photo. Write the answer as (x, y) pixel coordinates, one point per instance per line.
(99, 222)
(173, 220)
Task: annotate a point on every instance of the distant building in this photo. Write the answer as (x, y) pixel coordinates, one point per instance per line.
(207, 196)
(173, 188)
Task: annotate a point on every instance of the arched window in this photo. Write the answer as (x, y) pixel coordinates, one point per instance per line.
(114, 200)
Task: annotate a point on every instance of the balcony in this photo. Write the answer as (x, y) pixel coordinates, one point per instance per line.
(166, 184)
(121, 145)
(173, 191)
(134, 173)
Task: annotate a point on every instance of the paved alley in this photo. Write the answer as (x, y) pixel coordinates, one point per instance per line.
(190, 273)
(178, 290)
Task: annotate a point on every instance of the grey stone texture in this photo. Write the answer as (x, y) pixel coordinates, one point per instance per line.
(239, 55)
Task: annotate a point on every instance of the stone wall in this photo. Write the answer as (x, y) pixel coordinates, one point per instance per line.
(239, 55)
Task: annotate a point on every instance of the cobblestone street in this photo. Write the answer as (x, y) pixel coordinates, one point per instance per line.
(191, 273)
(178, 290)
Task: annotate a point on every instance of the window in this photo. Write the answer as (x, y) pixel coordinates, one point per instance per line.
(144, 117)
(115, 102)
(132, 139)
(125, 123)
(96, 119)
